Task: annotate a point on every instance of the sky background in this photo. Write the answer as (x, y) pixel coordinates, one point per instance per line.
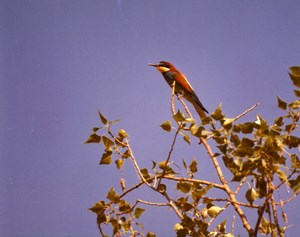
(62, 60)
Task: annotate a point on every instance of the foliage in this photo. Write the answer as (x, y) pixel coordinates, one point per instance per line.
(262, 155)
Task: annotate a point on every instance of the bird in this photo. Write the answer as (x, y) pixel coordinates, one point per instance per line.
(182, 85)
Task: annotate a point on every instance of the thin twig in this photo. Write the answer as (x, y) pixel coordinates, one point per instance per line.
(219, 186)
(227, 189)
(169, 155)
(245, 112)
(185, 107)
(232, 224)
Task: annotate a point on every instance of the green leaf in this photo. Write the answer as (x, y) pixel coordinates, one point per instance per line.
(113, 196)
(227, 122)
(222, 226)
(184, 164)
(194, 129)
(93, 138)
(162, 188)
(213, 210)
(185, 137)
(184, 187)
(251, 195)
(138, 212)
(95, 129)
(193, 166)
(295, 161)
(122, 134)
(279, 121)
(217, 115)
(282, 175)
(295, 185)
(124, 206)
(145, 174)
(179, 116)
(235, 139)
(99, 207)
(106, 158)
(166, 126)
(107, 142)
(297, 93)
(295, 75)
(178, 227)
(102, 118)
(295, 104)
(247, 127)
(264, 226)
(150, 234)
(261, 187)
(119, 163)
(281, 103)
(153, 164)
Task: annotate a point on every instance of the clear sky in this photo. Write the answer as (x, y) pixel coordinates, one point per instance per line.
(62, 60)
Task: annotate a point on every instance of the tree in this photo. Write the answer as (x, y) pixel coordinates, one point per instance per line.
(261, 156)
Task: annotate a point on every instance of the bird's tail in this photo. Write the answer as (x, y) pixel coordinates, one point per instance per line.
(199, 109)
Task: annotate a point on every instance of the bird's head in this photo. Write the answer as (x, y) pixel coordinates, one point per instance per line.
(162, 66)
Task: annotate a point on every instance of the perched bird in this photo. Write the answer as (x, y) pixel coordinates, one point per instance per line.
(182, 86)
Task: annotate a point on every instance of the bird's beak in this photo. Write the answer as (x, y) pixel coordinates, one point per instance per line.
(153, 65)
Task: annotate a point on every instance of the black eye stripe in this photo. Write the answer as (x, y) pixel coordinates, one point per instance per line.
(162, 64)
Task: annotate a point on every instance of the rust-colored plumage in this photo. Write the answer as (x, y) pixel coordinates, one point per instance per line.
(182, 86)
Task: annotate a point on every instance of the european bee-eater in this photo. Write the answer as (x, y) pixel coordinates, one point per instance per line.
(182, 86)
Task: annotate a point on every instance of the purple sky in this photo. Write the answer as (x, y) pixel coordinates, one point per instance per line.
(62, 60)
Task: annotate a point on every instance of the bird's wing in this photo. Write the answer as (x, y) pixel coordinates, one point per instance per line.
(184, 83)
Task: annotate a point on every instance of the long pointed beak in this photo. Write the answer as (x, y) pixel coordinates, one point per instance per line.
(152, 64)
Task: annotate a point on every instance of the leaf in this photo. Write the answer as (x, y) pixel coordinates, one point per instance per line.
(213, 210)
(227, 121)
(119, 163)
(295, 104)
(150, 234)
(295, 161)
(281, 103)
(261, 187)
(93, 138)
(297, 93)
(102, 118)
(295, 75)
(179, 116)
(177, 227)
(124, 206)
(99, 207)
(217, 115)
(113, 196)
(222, 226)
(185, 137)
(184, 164)
(122, 134)
(162, 188)
(107, 142)
(193, 166)
(106, 158)
(247, 127)
(184, 187)
(295, 185)
(264, 226)
(138, 212)
(251, 195)
(235, 139)
(95, 129)
(279, 121)
(282, 175)
(145, 174)
(166, 126)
